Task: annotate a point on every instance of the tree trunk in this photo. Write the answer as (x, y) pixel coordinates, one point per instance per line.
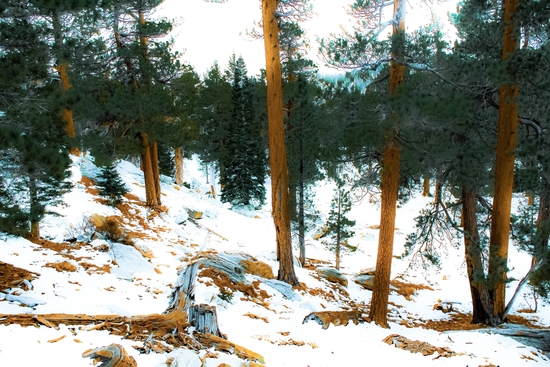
(481, 300)
(390, 188)
(504, 168)
(301, 225)
(277, 151)
(65, 85)
(178, 158)
(153, 150)
(541, 238)
(148, 176)
(338, 232)
(426, 186)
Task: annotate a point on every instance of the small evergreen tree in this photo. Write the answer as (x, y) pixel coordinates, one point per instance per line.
(110, 184)
(245, 172)
(338, 225)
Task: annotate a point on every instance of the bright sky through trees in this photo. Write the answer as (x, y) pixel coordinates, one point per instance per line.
(213, 31)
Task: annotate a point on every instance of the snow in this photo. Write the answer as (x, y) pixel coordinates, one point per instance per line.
(140, 285)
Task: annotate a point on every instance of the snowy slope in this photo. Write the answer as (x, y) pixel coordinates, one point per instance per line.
(115, 278)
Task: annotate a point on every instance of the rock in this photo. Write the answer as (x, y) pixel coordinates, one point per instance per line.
(332, 275)
(325, 318)
(284, 288)
(366, 281)
(145, 251)
(367, 271)
(194, 214)
(97, 220)
(416, 346)
(181, 217)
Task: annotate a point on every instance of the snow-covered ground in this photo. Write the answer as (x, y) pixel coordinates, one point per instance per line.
(119, 279)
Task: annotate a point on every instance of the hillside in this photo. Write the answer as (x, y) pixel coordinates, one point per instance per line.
(127, 263)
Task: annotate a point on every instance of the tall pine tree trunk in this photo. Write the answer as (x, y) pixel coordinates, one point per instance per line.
(426, 186)
(277, 151)
(301, 220)
(34, 209)
(541, 238)
(65, 85)
(148, 176)
(481, 299)
(153, 149)
(338, 230)
(178, 160)
(390, 188)
(504, 168)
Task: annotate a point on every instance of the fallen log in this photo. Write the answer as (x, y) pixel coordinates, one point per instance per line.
(113, 355)
(155, 330)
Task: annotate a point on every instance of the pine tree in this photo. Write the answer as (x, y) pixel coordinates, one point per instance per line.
(277, 150)
(337, 226)
(244, 173)
(34, 158)
(110, 184)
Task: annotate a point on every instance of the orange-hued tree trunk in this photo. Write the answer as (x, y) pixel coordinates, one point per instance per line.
(178, 160)
(390, 188)
(148, 176)
(67, 114)
(277, 150)
(153, 149)
(504, 167)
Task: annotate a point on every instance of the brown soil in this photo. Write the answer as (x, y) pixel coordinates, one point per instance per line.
(462, 321)
(12, 277)
(62, 266)
(408, 290)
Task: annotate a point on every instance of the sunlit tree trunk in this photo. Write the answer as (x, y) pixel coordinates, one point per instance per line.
(148, 176)
(390, 187)
(178, 160)
(481, 299)
(504, 167)
(277, 151)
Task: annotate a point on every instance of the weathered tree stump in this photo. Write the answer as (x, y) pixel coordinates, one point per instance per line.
(205, 319)
(113, 355)
(168, 327)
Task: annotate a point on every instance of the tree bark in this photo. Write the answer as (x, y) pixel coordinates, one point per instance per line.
(338, 233)
(390, 188)
(481, 300)
(301, 224)
(65, 85)
(277, 151)
(153, 150)
(504, 168)
(426, 186)
(148, 176)
(178, 157)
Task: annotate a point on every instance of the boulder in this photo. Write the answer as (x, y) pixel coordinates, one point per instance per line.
(366, 281)
(332, 275)
(367, 271)
(284, 288)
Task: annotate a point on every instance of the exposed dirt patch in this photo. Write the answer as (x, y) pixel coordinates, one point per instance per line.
(90, 185)
(91, 268)
(462, 321)
(12, 277)
(408, 290)
(256, 317)
(62, 266)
